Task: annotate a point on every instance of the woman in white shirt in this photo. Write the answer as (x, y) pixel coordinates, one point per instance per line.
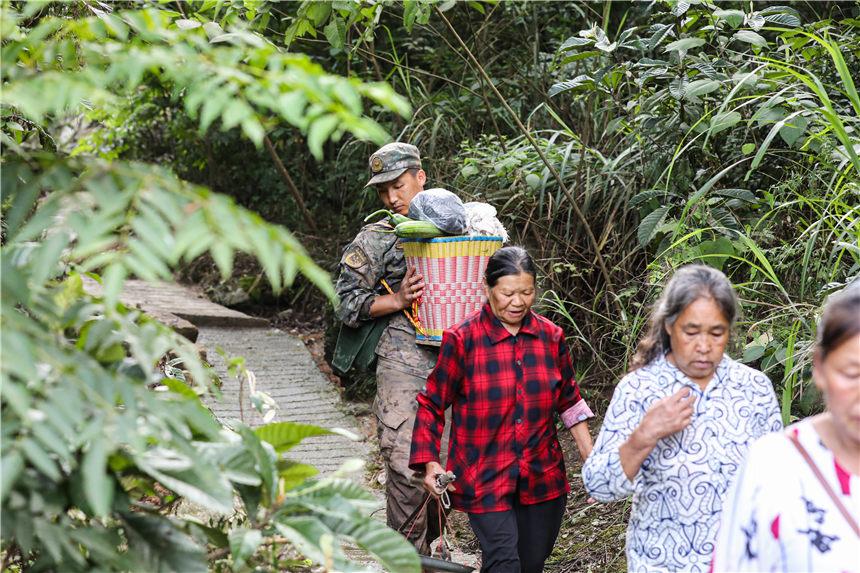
(679, 425)
(779, 515)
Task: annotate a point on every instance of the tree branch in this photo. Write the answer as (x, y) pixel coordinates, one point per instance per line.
(289, 181)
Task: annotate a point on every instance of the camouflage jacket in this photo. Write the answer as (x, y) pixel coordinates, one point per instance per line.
(371, 256)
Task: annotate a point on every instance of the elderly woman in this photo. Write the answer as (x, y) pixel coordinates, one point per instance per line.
(796, 501)
(679, 425)
(505, 371)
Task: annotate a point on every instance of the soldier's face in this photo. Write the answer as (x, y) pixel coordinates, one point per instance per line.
(396, 195)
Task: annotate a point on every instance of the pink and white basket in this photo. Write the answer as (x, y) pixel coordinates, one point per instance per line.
(453, 269)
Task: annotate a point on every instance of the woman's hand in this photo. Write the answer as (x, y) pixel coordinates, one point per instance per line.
(666, 416)
(431, 472)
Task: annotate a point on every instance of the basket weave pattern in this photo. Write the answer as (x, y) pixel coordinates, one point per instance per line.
(453, 268)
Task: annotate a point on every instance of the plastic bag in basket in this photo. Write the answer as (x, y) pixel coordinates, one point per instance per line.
(440, 207)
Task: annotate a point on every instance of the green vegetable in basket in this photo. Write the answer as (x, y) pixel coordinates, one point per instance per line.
(417, 230)
(393, 218)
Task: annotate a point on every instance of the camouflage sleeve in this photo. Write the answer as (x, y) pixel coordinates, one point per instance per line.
(361, 267)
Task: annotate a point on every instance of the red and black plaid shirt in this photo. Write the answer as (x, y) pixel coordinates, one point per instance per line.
(504, 390)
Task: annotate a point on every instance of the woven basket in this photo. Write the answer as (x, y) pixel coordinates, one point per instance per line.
(453, 268)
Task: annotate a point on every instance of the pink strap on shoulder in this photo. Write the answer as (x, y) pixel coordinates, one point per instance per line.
(838, 502)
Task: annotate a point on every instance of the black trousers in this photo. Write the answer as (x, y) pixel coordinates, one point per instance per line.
(520, 539)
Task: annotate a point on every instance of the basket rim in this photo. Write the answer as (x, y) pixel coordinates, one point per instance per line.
(452, 239)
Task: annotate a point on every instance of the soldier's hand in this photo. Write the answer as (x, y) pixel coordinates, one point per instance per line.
(411, 287)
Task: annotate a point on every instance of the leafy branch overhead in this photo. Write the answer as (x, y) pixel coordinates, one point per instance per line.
(103, 428)
(234, 76)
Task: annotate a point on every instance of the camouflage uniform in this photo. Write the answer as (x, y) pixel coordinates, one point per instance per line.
(401, 372)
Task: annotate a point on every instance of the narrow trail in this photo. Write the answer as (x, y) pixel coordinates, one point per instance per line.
(283, 368)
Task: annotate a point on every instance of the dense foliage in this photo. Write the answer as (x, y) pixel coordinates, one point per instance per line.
(618, 140)
(103, 429)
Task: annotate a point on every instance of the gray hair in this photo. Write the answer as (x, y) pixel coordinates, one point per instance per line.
(687, 285)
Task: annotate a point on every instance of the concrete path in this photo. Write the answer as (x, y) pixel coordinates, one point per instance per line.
(283, 368)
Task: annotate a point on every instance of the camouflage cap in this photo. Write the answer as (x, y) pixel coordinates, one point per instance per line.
(392, 160)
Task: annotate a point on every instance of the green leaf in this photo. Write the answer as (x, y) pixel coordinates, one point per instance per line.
(103, 544)
(717, 252)
(235, 113)
(183, 24)
(191, 477)
(293, 474)
(578, 81)
(304, 533)
(575, 42)
(265, 458)
(180, 388)
(678, 87)
(335, 32)
(113, 280)
(318, 12)
(680, 8)
(11, 466)
(319, 132)
(793, 130)
(789, 20)
(253, 129)
(213, 30)
(533, 181)
(410, 11)
(748, 148)
(660, 33)
(648, 226)
(701, 87)
(742, 194)
(37, 456)
(734, 18)
(46, 262)
(684, 44)
(752, 353)
(223, 256)
(160, 546)
(285, 435)
(724, 120)
(750, 37)
(392, 549)
(243, 544)
(769, 138)
(98, 488)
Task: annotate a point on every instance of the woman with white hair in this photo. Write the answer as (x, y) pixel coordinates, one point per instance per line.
(679, 424)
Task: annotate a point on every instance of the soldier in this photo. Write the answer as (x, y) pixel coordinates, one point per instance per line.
(402, 365)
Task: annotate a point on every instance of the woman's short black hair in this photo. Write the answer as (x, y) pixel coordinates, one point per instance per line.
(509, 261)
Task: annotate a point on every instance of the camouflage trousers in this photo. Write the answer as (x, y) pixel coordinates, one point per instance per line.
(395, 408)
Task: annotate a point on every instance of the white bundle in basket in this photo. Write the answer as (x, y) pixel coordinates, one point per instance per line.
(481, 220)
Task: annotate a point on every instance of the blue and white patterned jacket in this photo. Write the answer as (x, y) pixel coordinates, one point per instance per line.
(678, 493)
